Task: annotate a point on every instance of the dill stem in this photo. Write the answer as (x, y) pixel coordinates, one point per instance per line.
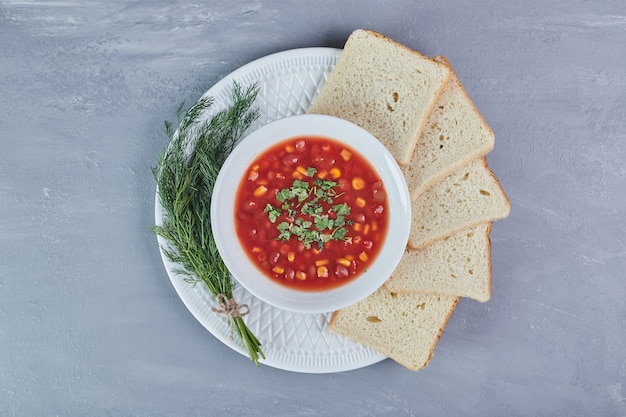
(185, 181)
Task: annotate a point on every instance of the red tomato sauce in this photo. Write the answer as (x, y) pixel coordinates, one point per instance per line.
(311, 213)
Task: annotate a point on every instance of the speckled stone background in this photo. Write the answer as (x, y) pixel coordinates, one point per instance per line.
(90, 324)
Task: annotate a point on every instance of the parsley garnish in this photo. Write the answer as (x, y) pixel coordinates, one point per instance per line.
(305, 217)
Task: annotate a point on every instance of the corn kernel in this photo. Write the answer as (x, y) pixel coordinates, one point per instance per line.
(374, 226)
(322, 175)
(321, 262)
(290, 148)
(358, 183)
(357, 227)
(360, 202)
(291, 256)
(301, 275)
(335, 173)
(297, 175)
(278, 269)
(343, 261)
(260, 190)
(363, 257)
(346, 155)
(322, 272)
(302, 170)
(256, 249)
(366, 229)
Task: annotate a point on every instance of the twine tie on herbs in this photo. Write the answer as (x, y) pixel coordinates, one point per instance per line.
(230, 308)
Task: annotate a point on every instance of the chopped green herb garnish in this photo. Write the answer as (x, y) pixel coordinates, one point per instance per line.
(305, 218)
(272, 213)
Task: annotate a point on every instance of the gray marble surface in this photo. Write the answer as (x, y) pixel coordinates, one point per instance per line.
(90, 324)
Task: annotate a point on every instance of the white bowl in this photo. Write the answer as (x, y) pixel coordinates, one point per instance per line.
(223, 213)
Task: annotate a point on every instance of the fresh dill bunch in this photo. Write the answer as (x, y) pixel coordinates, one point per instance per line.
(185, 176)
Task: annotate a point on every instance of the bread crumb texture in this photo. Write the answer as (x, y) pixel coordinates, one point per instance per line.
(405, 327)
(468, 197)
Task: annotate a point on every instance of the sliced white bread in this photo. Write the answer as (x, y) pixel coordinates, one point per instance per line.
(459, 265)
(404, 327)
(466, 198)
(455, 134)
(384, 87)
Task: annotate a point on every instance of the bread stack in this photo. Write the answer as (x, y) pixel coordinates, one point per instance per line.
(418, 108)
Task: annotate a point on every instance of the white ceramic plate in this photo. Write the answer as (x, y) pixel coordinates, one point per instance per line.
(300, 342)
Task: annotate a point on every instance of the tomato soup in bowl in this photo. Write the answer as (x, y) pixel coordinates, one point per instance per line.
(310, 213)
